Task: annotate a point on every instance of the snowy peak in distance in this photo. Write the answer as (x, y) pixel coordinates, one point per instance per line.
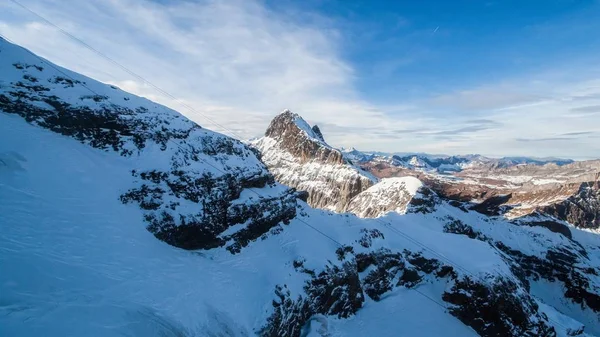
(446, 164)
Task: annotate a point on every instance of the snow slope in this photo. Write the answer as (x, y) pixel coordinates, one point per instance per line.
(388, 195)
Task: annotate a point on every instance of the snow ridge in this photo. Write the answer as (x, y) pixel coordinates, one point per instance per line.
(389, 195)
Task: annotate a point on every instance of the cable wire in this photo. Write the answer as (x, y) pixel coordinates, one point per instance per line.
(127, 70)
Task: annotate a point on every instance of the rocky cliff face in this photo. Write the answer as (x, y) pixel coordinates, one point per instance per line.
(299, 157)
(581, 208)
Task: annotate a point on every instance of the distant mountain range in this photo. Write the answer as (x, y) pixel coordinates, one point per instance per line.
(444, 163)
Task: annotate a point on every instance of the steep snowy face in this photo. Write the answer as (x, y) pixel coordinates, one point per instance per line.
(189, 181)
(388, 195)
(299, 157)
(81, 181)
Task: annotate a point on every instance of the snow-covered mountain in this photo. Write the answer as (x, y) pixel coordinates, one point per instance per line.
(447, 164)
(120, 217)
(388, 195)
(298, 156)
(569, 192)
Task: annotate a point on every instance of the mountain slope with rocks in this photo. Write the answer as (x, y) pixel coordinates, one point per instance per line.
(121, 217)
(298, 156)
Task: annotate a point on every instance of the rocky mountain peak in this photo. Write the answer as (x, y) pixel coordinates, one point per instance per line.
(318, 132)
(298, 156)
(301, 140)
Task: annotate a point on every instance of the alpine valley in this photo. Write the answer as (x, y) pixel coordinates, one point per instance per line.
(121, 217)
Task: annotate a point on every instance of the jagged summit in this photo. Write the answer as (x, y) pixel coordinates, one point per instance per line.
(291, 125)
(297, 137)
(298, 156)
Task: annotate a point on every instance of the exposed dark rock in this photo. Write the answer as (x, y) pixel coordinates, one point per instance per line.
(423, 202)
(218, 211)
(581, 209)
(498, 310)
(458, 227)
(336, 291)
(553, 226)
(493, 205)
(317, 132)
(110, 127)
(368, 236)
(557, 265)
(410, 278)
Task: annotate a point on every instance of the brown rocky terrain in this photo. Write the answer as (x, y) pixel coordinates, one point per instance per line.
(568, 192)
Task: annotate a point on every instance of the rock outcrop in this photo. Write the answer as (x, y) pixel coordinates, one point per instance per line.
(193, 166)
(581, 209)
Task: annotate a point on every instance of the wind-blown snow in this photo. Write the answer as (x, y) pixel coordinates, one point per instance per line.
(410, 184)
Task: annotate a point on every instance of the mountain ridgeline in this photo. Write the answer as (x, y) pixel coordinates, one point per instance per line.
(120, 216)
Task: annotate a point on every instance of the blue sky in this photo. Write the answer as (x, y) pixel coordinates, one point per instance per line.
(491, 77)
(405, 49)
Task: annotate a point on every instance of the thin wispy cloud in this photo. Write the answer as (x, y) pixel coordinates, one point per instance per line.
(486, 98)
(240, 62)
(589, 108)
(580, 133)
